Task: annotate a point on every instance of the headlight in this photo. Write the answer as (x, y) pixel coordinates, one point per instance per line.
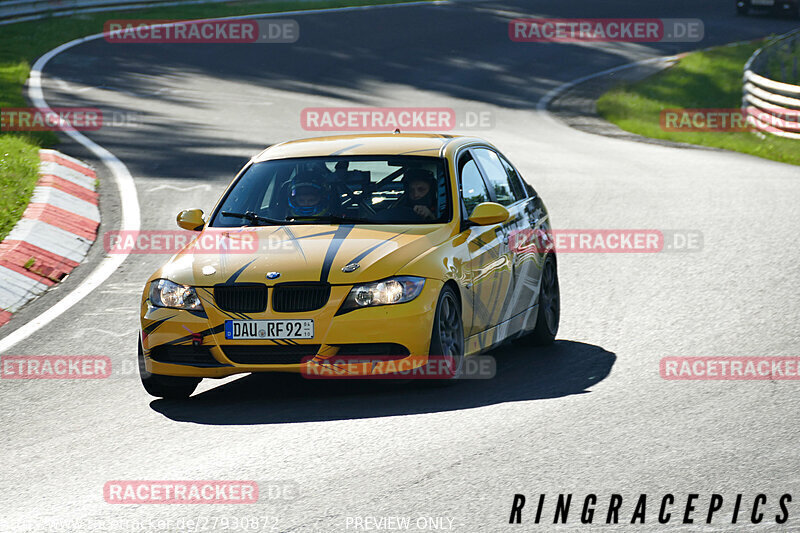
(165, 293)
(389, 291)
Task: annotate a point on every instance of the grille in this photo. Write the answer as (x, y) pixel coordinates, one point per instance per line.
(241, 298)
(184, 355)
(252, 354)
(299, 298)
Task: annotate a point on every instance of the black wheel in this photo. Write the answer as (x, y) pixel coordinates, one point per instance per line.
(742, 7)
(171, 387)
(549, 311)
(447, 338)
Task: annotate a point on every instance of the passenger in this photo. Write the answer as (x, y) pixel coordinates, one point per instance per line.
(419, 193)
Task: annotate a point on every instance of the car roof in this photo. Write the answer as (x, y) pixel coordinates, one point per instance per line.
(418, 144)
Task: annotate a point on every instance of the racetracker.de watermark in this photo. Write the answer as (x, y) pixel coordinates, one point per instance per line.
(729, 119)
(180, 492)
(64, 119)
(55, 366)
(399, 367)
(631, 30)
(605, 241)
(243, 31)
(388, 119)
(730, 368)
(173, 241)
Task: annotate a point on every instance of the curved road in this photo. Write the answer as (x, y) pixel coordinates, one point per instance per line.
(588, 415)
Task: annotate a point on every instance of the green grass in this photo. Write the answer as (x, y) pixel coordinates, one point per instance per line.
(22, 43)
(19, 164)
(707, 79)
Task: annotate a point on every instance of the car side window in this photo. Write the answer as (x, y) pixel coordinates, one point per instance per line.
(517, 185)
(473, 189)
(497, 176)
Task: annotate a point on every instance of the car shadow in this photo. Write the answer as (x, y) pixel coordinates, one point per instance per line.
(523, 373)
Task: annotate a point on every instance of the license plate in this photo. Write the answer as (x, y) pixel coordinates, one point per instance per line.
(763, 2)
(269, 329)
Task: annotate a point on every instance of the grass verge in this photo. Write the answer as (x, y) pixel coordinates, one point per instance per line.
(19, 165)
(22, 43)
(707, 79)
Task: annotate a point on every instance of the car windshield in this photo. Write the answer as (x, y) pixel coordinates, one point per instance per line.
(339, 190)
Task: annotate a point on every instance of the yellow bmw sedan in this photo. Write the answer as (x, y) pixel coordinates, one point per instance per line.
(388, 248)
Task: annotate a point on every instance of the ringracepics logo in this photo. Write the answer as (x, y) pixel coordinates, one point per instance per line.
(651, 509)
(730, 368)
(180, 492)
(55, 366)
(629, 30)
(202, 31)
(387, 119)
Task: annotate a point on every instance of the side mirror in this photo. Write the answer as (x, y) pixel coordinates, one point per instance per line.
(488, 213)
(191, 219)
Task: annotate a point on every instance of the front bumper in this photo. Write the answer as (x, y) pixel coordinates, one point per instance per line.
(408, 326)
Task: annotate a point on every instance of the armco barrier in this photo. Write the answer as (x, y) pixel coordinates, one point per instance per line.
(773, 106)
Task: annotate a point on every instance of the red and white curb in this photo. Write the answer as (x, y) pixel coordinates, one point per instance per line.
(53, 235)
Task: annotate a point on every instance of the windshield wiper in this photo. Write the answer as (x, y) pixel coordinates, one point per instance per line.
(336, 219)
(252, 217)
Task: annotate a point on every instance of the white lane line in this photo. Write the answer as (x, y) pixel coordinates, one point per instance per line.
(129, 200)
(204, 187)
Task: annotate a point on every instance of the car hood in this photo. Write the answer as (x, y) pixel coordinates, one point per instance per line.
(301, 253)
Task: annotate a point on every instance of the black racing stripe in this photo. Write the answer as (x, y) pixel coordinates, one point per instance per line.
(343, 150)
(212, 302)
(238, 273)
(205, 332)
(152, 327)
(294, 241)
(336, 242)
(369, 250)
(417, 151)
(315, 235)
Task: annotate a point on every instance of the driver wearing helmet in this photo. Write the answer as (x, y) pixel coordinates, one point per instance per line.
(307, 198)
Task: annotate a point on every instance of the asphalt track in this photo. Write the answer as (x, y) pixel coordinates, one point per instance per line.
(589, 415)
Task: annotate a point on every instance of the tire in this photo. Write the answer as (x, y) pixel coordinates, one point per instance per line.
(169, 387)
(548, 313)
(742, 7)
(447, 337)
